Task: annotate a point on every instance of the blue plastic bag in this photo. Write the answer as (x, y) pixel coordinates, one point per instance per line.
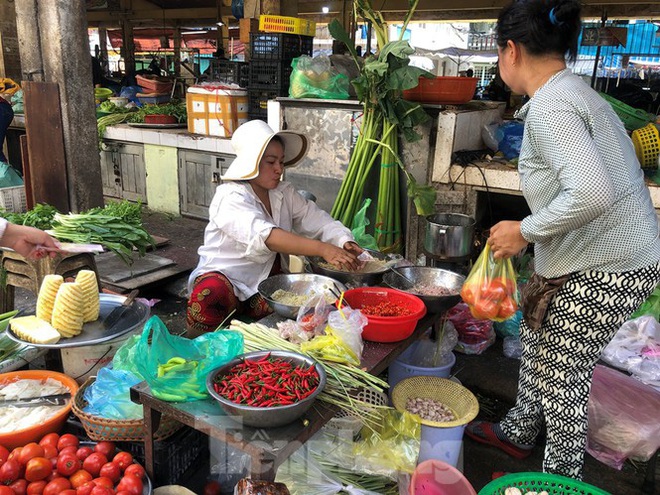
(509, 138)
(109, 395)
(175, 368)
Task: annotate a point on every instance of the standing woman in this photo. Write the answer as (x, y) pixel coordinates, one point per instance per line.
(255, 221)
(593, 225)
(6, 116)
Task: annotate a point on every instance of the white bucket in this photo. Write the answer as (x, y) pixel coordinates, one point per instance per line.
(82, 362)
(442, 444)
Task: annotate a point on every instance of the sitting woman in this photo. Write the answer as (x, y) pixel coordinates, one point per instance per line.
(253, 219)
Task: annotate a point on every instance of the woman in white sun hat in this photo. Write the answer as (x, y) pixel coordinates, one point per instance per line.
(253, 219)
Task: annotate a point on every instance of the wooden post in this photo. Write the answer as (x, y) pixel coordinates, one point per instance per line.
(271, 7)
(177, 51)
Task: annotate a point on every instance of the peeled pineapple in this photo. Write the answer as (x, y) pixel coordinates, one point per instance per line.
(35, 330)
(68, 310)
(90, 289)
(46, 298)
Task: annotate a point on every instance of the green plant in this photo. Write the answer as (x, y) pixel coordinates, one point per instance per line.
(379, 88)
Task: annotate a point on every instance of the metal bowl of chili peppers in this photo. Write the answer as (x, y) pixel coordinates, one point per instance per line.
(267, 389)
(438, 288)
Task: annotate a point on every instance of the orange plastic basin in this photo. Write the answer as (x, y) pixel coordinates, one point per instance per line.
(34, 433)
(443, 90)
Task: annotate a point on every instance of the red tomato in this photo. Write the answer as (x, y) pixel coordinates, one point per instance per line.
(123, 492)
(53, 462)
(49, 439)
(212, 487)
(507, 308)
(105, 448)
(67, 464)
(30, 451)
(103, 481)
(50, 451)
(9, 471)
(124, 459)
(19, 487)
(38, 468)
(70, 491)
(131, 484)
(36, 487)
(484, 309)
(468, 293)
(56, 486)
(83, 452)
(136, 470)
(111, 470)
(85, 488)
(495, 291)
(14, 454)
(94, 463)
(79, 478)
(5, 490)
(71, 449)
(102, 490)
(4, 454)
(67, 440)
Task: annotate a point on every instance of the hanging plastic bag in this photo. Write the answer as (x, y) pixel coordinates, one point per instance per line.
(474, 335)
(624, 418)
(109, 395)
(490, 289)
(317, 78)
(359, 230)
(9, 176)
(176, 367)
(342, 342)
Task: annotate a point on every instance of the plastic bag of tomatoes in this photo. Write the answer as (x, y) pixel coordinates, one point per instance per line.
(490, 289)
(61, 464)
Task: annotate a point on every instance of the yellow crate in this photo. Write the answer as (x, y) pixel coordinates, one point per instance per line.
(291, 25)
(216, 112)
(647, 145)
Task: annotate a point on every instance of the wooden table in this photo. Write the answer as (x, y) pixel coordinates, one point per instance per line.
(267, 447)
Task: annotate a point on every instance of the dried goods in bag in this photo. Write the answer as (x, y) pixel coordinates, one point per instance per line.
(490, 290)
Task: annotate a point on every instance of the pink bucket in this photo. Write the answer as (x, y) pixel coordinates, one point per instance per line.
(433, 477)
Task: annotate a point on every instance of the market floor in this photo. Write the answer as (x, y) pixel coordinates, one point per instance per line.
(491, 376)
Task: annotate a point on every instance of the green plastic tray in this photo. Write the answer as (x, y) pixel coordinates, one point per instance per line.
(537, 482)
(632, 118)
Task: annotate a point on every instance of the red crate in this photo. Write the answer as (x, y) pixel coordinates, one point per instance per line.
(154, 84)
(443, 90)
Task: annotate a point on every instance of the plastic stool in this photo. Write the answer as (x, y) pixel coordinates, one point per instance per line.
(28, 274)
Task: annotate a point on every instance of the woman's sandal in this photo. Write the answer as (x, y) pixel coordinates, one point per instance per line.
(482, 432)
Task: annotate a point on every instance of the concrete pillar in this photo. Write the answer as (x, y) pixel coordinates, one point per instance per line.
(10, 62)
(54, 47)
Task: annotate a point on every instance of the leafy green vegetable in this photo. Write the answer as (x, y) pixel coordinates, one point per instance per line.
(379, 87)
(41, 216)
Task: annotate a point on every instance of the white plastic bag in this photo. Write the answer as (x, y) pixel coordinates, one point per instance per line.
(348, 324)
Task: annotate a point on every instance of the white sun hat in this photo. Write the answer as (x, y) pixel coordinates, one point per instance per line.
(250, 141)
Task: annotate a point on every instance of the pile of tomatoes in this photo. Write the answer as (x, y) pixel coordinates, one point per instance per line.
(491, 299)
(61, 465)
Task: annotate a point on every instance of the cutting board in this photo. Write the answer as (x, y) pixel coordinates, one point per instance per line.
(112, 269)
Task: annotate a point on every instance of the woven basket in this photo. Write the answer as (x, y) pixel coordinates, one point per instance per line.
(456, 397)
(129, 430)
(538, 482)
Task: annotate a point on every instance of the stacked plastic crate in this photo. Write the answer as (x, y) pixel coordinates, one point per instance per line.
(270, 63)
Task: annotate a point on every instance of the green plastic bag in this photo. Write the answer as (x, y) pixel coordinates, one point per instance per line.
(359, 231)
(317, 78)
(649, 307)
(176, 367)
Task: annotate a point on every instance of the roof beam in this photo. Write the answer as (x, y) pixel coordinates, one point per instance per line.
(154, 14)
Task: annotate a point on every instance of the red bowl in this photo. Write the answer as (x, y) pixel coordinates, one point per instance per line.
(443, 90)
(386, 328)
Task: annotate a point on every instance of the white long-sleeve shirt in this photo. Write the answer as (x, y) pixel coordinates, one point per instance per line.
(239, 224)
(582, 181)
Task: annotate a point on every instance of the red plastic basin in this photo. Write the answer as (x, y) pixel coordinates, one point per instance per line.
(443, 90)
(386, 328)
(159, 118)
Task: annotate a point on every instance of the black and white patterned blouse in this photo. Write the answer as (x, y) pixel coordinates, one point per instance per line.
(581, 178)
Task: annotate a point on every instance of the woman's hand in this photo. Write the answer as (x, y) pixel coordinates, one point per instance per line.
(28, 241)
(340, 258)
(354, 248)
(506, 240)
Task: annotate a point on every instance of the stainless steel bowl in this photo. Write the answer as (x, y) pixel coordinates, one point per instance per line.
(409, 276)
(351, 279)
(298, 283)
(266, 417)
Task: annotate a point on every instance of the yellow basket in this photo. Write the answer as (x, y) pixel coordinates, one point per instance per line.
(115, 430)
(291, 25)
(647, 145)
(456, 397)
